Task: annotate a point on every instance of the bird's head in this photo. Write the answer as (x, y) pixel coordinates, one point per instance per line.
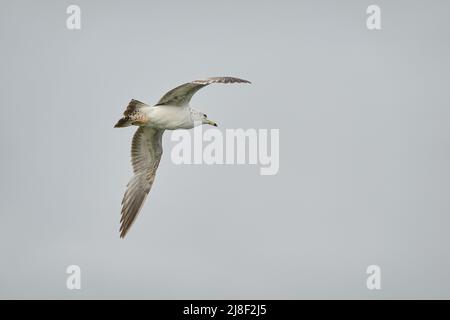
(200, 118)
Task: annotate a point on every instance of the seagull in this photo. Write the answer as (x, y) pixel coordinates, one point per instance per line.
(170, 113)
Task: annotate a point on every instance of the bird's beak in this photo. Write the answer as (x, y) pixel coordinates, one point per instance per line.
(211, 123)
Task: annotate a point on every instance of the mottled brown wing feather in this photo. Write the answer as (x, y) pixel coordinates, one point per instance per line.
(181, 95)
(133, 105)
(146, 152)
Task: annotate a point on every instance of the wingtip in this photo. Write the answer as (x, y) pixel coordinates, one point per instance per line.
(124, 228)
(245, 81)
(240, 80)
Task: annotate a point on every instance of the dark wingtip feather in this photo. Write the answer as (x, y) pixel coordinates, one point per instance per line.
(123, 122)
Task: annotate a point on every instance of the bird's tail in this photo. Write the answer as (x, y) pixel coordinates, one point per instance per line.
(131, 115)
(123, 122)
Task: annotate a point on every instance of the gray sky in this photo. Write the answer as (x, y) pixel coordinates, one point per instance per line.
(364, 150)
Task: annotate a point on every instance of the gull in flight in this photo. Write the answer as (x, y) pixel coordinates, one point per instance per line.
(171, 112)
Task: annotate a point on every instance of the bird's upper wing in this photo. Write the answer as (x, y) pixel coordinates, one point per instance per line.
(181, 95)
(146, 151)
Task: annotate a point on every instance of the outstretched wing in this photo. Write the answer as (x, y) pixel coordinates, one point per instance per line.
(146, 151)
(181, 95)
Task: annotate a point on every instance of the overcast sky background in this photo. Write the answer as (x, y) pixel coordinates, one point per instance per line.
(364, 150)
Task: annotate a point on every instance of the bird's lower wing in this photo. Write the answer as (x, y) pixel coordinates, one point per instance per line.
(146, 151)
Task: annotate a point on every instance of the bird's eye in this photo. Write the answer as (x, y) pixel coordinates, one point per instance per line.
(205, 116)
